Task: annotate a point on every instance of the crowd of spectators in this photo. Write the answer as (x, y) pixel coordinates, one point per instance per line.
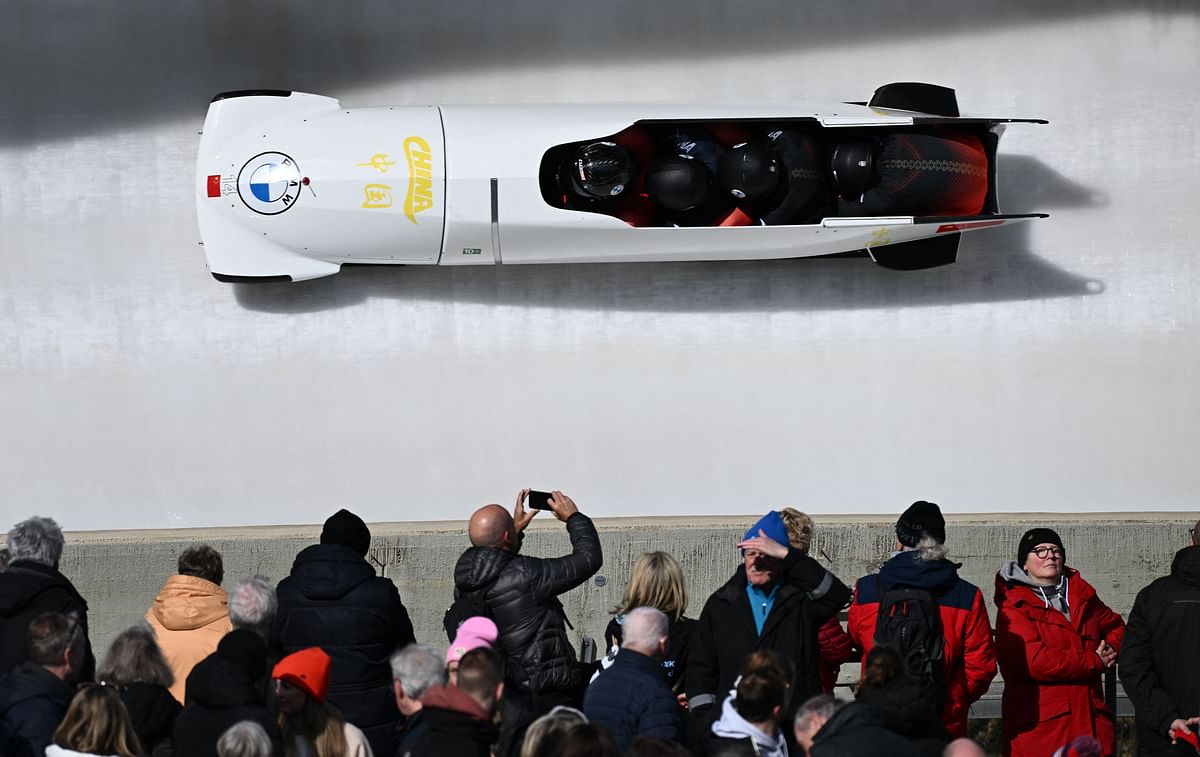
(325, 664)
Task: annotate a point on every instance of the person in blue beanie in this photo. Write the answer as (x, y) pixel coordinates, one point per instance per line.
(776, 600)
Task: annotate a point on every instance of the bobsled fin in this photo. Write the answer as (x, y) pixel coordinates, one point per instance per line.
(917, 97)
(918, 254)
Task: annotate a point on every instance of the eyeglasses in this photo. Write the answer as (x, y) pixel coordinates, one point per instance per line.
(1044, 552)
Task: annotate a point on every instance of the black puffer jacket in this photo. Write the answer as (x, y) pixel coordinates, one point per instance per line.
(334, 600)
(28, 589)
(1158, 656)
(219, 694)
(32, 704)
(522, 595)
(855, 731)
(904, 710)
(725, 634)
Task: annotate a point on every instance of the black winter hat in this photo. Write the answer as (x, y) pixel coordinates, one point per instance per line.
(921, 519)
(1034, 537)
(245, 648)
(347, 529)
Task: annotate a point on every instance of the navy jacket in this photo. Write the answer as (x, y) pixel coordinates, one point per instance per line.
(631, 699)
(32, 704)
(334, 600)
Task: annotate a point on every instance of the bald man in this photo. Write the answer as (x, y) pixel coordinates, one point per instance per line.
(520, 593)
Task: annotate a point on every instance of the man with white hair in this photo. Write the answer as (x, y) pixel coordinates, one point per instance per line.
(415, 670)
(252, 605)
(31, 585)
(632, 698)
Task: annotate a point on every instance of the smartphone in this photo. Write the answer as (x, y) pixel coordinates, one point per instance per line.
(539, 500)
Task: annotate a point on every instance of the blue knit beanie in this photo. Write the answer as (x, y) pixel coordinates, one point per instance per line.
(772, 525)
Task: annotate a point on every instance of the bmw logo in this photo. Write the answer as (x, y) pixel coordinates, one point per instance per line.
(269, 183)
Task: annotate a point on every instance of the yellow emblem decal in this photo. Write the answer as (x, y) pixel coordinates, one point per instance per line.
(879, 237)
(379, 161)
(378, 196)
(420, 177)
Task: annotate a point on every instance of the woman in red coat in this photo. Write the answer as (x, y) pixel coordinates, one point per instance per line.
(1054, 637)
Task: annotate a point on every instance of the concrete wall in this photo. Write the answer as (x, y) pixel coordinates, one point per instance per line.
(1053, 368)
(120, 572)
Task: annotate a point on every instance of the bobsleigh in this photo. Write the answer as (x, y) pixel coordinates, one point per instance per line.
(291, 186)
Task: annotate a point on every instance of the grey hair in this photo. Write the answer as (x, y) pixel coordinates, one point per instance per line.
(821, 706)
(5, 558)
(135, 657)
(1196, 533)
(417, 668)
(253, 604)
(642, 629)
(38, 540)
(931, 550)
(244, 739)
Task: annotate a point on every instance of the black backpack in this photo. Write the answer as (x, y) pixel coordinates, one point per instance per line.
(468, 604)
(910, 622)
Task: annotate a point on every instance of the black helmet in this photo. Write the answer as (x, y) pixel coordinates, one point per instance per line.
(853, 167)
(748, 172)
(678, 183)
(601, 170)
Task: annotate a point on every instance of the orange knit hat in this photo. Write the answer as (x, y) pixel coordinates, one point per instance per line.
(307, 670)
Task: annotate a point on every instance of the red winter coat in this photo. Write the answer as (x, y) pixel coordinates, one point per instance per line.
(969, 658)
(1052, 689)
(834, 647)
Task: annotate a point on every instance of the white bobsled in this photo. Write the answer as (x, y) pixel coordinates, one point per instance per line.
(291, 186)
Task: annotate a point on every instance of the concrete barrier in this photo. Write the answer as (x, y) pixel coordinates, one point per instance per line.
(120, 572)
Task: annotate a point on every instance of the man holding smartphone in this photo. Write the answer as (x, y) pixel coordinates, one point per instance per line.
(520, 593)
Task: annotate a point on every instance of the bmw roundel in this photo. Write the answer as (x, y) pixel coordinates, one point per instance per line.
(269, 183)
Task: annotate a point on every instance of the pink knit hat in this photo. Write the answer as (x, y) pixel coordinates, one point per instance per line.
(473, 633)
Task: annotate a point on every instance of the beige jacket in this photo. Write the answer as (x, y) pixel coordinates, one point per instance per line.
(189, 616)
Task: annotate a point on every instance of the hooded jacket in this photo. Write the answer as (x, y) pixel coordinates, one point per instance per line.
(189, 616)
(1052, 686)
(220, 693)
(334, 600)
(28, 589)
(969, 656)
(1161, 648)
(732, 726)
(32, 704)
(855, 731)
(726, 634)
(455, 725)
(521, 593)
